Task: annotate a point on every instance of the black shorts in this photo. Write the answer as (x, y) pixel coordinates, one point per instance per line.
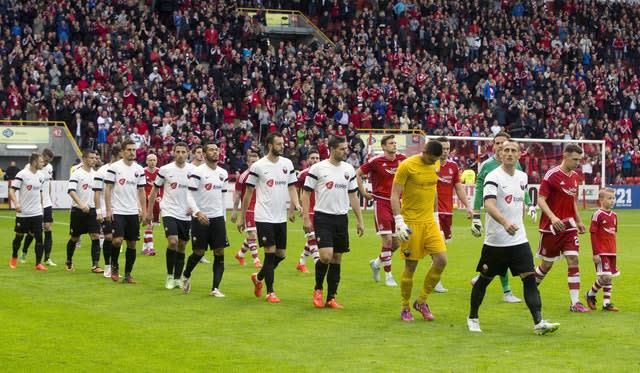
(272, 234)
(106, 226)
(332, 231)
(47, 216)
(213, 235)
(32, 224)
(126, 226)
(496, 260)
(81, 222)
(176, 227)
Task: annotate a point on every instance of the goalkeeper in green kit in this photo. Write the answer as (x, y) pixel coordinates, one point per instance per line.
(476, 223)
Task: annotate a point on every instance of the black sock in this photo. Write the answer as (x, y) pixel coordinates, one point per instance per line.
(16, 246)
(106, 251)
(277, 261)
(27, 242)
(333, 279)
(95, 252)
(266, 272)
(115, 254)
(171, 260)
(130, 255)
(71, 248)
(48, 243)
(218, 270)
(321, 271)
(477, 295)
(532, 298)
(39, 251)
(179, 265)
(192, 262)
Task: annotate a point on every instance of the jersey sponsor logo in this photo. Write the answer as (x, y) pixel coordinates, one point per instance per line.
(122, 181)
(329, 185)
(609, 230)
(173, 185)
(85, 186)
(508, 198)
(391, 171)
(29, 187)
(445, 179)
(271, 182)
(208, 186)
(571, 191)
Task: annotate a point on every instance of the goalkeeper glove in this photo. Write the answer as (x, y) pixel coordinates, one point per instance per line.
(476, 225)
(533, 213)
(402, 230)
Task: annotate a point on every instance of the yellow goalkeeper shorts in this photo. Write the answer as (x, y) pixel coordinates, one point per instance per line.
(425, 239)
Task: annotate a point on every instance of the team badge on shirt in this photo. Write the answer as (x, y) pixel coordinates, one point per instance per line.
(346, 176)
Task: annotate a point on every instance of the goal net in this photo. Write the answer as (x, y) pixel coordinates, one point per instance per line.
(537, 157)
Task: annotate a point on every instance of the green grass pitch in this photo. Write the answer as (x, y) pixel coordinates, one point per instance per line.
(80, 321)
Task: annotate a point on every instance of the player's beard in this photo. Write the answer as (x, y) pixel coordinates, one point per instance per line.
(275, 153)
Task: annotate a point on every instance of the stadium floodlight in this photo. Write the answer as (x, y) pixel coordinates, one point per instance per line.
(22, 147)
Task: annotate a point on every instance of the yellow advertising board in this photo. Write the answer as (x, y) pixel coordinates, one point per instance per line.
(274, 18)
(24, 135)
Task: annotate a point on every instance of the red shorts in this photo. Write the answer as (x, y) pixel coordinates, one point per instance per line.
(607, 266)
(554, 247)
(385, 224)
(446, 221)
(249, 222)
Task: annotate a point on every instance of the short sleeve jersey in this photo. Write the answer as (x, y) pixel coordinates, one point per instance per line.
(47, 172)
(29, 187)
(448, 177)
(98, 185)
(604, 225)
(508, 191)
(381, 171)
(300, 185)
(271, 181)
(81, 182)
(241, 187)
(174, 181)
(126, 180)
(332, 185)
(207, 187)
(150, 177)
(560, 190)
(420, 181)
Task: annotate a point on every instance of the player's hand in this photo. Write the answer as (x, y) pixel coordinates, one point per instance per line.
(292, 216)
(233, 217)
(581, 228)
(469, 213)
(367, 196)
(402, 229)
(558, 225)
(596, 259)
(533, 213)
(189, 212)
(109, 216)
(360, 228)
(202, 218)
(510, 228)
(84, 208)
(18, 207)
(306, 225)
(476, 225)
(240, 223)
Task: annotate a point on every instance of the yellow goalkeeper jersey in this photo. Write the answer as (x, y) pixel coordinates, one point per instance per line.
(419, 180)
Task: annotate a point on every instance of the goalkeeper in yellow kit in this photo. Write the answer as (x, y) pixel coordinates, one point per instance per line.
(416, 227)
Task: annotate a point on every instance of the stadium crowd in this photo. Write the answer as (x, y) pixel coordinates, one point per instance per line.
(203, 70)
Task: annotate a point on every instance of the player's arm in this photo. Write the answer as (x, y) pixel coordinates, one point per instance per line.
(355, 206)
(142, 200)
(71, 190)
(462, 196)
(402, 229)
(294, 204)
(236, 205)
(97, 187)
(361, 188)
(248, 192)
(150, 202)
(595, 239)
(544, 207)
(108, 188)
(492, 209)
(581, 227)
(13, 199)
(477, 199)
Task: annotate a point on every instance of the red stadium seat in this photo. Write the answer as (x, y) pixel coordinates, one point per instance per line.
(629, 180)
(636, 180)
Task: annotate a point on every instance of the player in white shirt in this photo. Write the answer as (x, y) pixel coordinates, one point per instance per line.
(176, 217)
(273, 178)
(125, 202)
(101, 210)
(506, 245)
(205, 199)
(83, 212)
(197, 158)
(29, 183)
(47, 218)
(334, 183)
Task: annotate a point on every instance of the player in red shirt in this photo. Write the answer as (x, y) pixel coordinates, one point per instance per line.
(448, 180)
(381, 170)
(249, 243)
(311, 246)
(604, 225)
(561, 223)
(150, 174)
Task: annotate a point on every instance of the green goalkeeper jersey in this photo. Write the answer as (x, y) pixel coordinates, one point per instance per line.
(486, 167)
